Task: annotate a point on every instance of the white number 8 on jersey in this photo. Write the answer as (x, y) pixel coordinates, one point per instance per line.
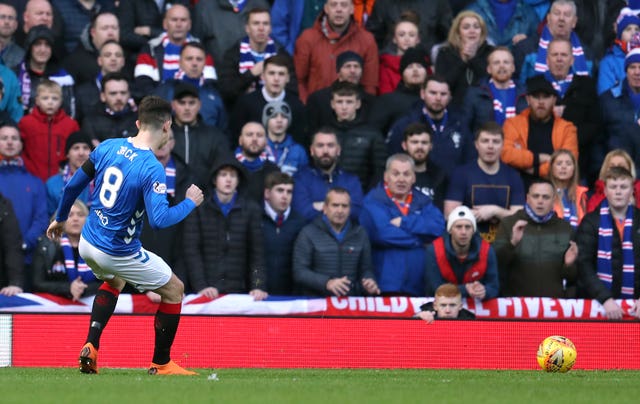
(111, 183)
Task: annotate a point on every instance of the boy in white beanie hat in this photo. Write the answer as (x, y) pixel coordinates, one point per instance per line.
(462, 258)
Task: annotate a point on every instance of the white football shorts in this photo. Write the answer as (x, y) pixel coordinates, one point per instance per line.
(144, 270)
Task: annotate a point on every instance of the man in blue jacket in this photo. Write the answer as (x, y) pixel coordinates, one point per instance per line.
(400, 222)
(322, 174)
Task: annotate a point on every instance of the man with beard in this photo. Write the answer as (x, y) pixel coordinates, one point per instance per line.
(314, 181)
(462, 258)
(533, 135)
(110, 60)
(452, 144)
(430, 180)
(496, 98)
(115, 116)
(400, 223)
(252, 154)
(489, 187)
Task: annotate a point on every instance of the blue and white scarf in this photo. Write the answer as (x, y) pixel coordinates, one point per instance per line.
(252, 165)
(249, 57)
(170, 173)
(536, 218)
(561, 86)
(504, 101)
(579, 61)
(171, 61)
(569, 210)
(74, 271)
(437, 129)
(605, 245)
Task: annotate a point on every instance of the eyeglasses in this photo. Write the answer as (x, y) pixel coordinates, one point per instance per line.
(7, 17)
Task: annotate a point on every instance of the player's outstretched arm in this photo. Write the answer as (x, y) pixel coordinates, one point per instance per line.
(195, 194)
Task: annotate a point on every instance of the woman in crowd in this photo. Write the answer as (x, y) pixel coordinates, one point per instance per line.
(462, 61)
(58, 268)
(615, 158)
(572, 198)
(405, 36)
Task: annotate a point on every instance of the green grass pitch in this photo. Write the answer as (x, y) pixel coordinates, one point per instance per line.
(120, 386)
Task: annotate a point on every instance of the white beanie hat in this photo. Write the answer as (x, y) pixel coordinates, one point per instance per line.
(460, 213)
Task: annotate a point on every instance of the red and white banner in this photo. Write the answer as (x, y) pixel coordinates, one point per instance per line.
(396, 307)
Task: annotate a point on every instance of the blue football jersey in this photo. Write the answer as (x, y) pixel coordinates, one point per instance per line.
(128, 181)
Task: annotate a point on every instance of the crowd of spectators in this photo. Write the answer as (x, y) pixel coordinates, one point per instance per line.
(384, 147)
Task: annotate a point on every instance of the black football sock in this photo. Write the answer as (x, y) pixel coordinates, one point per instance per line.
(103, 306)
(166, 326)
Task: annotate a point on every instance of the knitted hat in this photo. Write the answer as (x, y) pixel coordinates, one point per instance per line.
(413, 55)
(632, 57)
(274, 108)
(625, 18)
(348, 56)
(461, 213)
(77, 137)
(634, 5)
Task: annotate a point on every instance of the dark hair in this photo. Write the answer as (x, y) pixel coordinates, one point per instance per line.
(279, 59)
(416, 128)
(276, 178)
(95, 17)
(154, 112)
(193, 44)
(115, 76)
(344, 89)
(490, 127)
(438, 78)
(325, 130)
(256, 10)
(538, 181)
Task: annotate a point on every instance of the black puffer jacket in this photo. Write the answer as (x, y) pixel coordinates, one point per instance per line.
(11, 259)
(225, 252)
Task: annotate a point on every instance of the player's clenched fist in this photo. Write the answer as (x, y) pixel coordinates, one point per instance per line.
(195, 194)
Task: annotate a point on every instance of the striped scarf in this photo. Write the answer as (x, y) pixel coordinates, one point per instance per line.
(82, 270)
(25, 83)
(579, 62)
(504, 101)
(252, 165)
(569, 211)
(249, 57)
(171, 61)
(561, 86)
(605, 246)
(170, 173)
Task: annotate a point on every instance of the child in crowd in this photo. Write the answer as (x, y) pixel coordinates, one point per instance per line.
(447, 304)
(45, 130)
